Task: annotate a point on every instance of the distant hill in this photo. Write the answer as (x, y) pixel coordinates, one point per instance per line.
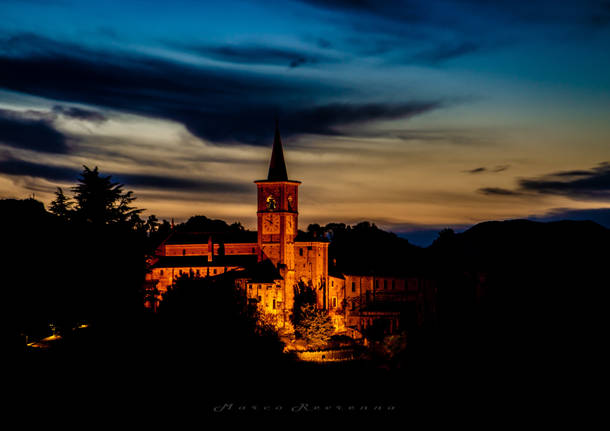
(494, 243)
(526, 285)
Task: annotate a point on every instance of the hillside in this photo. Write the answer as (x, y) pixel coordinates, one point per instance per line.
(523, 286)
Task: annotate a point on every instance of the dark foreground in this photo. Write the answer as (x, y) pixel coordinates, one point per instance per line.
(127, 382)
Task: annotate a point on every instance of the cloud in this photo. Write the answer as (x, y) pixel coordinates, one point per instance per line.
(454, 24)
(22, 168)
(184, 184)
(444, 52)
(497, 191)
(12, 166)
(600, 18)
(210, 102)
(80, 113)
(257, 54)
(598, 215)
(495, 169)
(577, 184)
(326, 119)
(500, 168)
(31, 132)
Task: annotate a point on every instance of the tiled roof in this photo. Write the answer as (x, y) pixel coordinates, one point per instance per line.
(202, 261)
(217, 237)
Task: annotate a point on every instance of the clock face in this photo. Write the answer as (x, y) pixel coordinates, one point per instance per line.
(271, 224)
(271, 203)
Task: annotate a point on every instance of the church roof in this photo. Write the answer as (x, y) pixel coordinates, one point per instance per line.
(178, 237)
(277, 166)
(261, 272)
(202, 261)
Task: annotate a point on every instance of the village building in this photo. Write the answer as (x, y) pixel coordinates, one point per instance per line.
(267, 264)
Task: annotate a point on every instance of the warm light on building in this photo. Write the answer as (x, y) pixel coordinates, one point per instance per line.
(267, 265)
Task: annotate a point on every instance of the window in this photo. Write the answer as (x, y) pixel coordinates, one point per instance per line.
(385, 284)
(214, 271)
(180, 272)
(300, 252)
(334, 302)
(198, 273)
(274, 304)
(376, 284)
(392, 285)
(259, 298)
(249, 286)
(353, 286)
(161, 272)
(353, 305)
(183, 252)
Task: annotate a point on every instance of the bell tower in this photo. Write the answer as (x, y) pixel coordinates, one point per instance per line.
(278, 201)
(277, 214)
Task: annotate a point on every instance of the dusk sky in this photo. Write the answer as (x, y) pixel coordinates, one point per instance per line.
(414, 115)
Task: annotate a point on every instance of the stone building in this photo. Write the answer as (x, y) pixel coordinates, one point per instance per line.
(266, 265)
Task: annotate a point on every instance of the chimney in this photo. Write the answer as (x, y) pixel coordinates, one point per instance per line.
(210, 249)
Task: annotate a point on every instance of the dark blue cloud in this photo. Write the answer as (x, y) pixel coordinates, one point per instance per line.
(592, 184)
(16, 167)
(445, 52)
(17, 130)
(216, 104)
(80, 113)
(598, 215)
(480, 170)
(454, 28)
(498, 191)
(256, 54)
(22, 168)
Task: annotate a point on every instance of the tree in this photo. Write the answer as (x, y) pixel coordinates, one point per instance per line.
(310, 323)
(61, 206)
(314, 325)
(100, 201)
(152, 224)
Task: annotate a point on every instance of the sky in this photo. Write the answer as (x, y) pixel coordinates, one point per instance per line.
(414, 115)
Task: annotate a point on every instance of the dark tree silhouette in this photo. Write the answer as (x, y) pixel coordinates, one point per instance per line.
(100, 201)
(62, 205)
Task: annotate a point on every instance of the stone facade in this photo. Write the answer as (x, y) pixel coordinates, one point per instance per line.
(354, 302)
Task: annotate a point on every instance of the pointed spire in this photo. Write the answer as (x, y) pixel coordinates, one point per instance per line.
(277, 167)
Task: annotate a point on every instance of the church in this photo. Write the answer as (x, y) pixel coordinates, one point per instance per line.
(265, 266)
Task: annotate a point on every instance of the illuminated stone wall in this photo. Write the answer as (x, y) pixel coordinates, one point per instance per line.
(366, 297)
(165, 276)
(311, 265)
(232, 249)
